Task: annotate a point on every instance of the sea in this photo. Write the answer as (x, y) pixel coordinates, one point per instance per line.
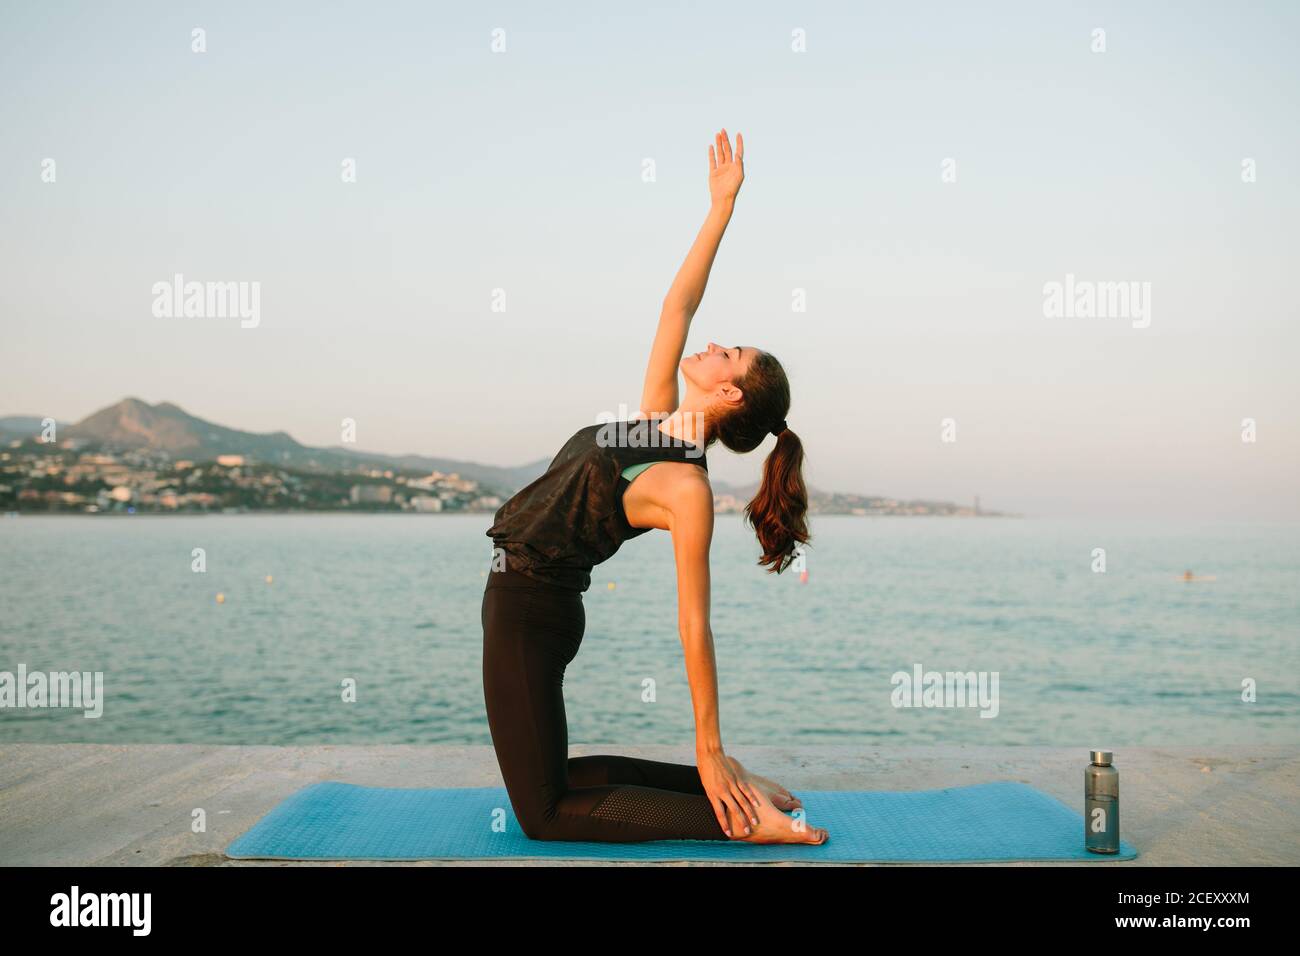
(284, 629)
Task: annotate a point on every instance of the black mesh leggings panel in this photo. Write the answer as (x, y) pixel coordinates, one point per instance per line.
(531, 632)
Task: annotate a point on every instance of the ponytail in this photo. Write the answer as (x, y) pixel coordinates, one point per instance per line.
(778, 513)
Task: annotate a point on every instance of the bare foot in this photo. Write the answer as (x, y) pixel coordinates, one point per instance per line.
(781, 798)
(775, 827)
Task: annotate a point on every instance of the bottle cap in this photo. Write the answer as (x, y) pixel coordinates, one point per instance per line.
(1101, 758)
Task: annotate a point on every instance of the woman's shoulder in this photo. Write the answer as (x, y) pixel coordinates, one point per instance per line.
(670, 495)
(672, 481)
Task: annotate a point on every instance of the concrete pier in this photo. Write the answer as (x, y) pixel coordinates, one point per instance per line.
(131, 805)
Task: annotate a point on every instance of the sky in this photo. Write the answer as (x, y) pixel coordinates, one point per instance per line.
(916, 176)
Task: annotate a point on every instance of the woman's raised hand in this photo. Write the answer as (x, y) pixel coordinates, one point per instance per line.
(726, 172)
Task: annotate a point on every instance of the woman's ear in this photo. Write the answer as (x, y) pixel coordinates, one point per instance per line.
(729, 394)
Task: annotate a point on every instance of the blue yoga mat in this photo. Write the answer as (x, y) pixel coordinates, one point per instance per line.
(986, 822)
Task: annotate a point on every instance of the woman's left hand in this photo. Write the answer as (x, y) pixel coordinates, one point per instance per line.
(781, 798)
(729, 795)
(726, 172)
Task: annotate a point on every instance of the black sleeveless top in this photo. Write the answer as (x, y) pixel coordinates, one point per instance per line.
(571, 518)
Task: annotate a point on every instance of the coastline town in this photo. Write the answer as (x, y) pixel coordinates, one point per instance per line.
(133, 457)
(74, 476)
(68, 478)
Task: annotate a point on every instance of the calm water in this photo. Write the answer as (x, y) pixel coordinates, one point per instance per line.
(1132, 656)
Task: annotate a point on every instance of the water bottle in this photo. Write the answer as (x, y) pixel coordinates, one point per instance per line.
(1101, 804)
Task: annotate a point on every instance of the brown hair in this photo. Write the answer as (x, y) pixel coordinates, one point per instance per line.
(778, 513)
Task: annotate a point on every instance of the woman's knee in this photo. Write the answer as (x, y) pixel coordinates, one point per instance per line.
(567, 817)
(536, 815)
(539, 825)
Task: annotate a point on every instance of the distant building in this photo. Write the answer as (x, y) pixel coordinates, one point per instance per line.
(426, 504)
(371, 494)
(230, 461)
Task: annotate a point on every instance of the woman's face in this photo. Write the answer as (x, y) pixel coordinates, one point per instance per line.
(717, 365)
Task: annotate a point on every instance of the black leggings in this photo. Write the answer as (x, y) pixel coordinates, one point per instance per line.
(531, 631)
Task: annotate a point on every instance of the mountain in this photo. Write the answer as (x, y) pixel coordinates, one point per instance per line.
(135, 424)
(132, 423)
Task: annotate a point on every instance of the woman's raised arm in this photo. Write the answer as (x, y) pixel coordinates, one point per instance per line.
(726, 173)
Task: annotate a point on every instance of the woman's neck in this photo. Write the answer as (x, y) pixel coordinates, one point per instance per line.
(686, 424)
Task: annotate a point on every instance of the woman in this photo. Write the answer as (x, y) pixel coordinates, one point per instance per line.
(592, 498)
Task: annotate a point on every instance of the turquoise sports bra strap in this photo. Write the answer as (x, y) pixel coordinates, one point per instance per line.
(631, 471)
